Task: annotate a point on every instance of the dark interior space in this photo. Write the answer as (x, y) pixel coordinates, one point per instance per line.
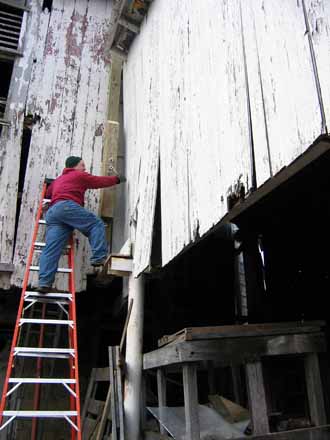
(284, 238)
(6, 69)
(47, 4)
(29, 120)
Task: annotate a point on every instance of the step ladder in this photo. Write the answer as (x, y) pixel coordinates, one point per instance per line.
(64, 303)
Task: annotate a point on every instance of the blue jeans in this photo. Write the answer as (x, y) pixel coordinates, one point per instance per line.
(62, 218)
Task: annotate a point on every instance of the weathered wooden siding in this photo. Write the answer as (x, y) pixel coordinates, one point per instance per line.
(231, 73)
(10, 138)
(68, 92)
(142, 139)
(318, 12)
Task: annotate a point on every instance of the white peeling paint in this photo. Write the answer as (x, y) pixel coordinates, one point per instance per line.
(203, 109)
(68, 90)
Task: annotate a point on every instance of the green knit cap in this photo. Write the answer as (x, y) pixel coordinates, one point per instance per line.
(72, 161)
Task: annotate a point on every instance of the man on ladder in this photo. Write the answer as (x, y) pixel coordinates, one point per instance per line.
(67, 212)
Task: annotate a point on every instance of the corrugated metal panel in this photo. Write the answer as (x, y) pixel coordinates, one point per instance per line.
(141, 78)
(68, 90)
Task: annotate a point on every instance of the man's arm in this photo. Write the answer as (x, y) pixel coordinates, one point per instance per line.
(95, 182)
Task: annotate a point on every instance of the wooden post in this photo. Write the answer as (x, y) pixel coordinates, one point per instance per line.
(253, 277)
(314, 390)
(134, 360)
(211, 377)
(144, 402)
(111, 140)
(191, 401)
(257, 398)
(237, 383)
(161, 390)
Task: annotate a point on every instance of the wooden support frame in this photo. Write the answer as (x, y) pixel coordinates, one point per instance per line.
(233, 351)
(314, 390)
(161, 391)
(257, 397)
(189, 372)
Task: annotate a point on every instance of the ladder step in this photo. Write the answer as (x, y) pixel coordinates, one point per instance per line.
(45, 321)
(55, 295)
(46, 414)
(42, 222)
(42, 244)
(46, 200)
(41, 300)
(60, 269)
(58, 353)
(40, 380)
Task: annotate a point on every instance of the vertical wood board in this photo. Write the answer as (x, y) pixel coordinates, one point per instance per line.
(10, 139)
(68, 91)
(280, 65)
(319, 20)
(142, 136)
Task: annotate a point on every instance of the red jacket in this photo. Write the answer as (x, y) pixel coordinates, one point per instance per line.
(72, 184)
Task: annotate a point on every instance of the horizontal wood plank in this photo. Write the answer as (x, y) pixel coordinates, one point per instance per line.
(318, 433)
(234, 331)
(7, 267)
(234, 350)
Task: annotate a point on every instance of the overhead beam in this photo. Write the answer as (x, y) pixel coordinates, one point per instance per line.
(129, 25)
(116, 11)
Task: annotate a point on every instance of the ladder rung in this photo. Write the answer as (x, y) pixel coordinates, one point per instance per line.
(46, 200)
(54, 295)
(60, 269)
(49, 414)
(40, 380)
(45, 321)
(44, 300)
(42, 222)
(42, 244)
(44, 352)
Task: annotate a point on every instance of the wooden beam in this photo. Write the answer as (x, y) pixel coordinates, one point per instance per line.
(110, 153)
(315, 390)
(111, 137)
(161, 391)
(234, 350)
(116, 11)
(7, 267)
(122, 55)
(236, 331)
(319, 433)
(257, 398)
(191, 401)
(128, 24)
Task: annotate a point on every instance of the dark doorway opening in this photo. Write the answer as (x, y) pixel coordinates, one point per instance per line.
(47, 4)
(6, 69)
(25, 149)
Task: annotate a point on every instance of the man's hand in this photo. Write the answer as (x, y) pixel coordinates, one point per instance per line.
(45, 206)
(121, 178)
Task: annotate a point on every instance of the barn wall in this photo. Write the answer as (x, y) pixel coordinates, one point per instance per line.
(232, 75)
(67, 93)
(10, 138)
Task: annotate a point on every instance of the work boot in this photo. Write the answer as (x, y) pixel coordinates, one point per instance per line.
(45, 289)
(99, 262)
